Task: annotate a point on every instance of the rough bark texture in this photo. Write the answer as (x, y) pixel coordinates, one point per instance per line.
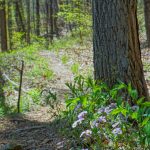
(3, 26)
(147, 19)
(117, 55)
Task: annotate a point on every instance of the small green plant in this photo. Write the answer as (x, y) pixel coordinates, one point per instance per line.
(35, 95)
(75, 68)
(64, 59)
(41, 69)
(18, 40)
(51, 100)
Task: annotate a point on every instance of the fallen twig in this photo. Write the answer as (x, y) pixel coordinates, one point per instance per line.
(12, 82)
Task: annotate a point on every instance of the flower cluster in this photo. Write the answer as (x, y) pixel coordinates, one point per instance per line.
(101, 122)
(81, 117)
(86, 133)
(107, 109)
(117, 131)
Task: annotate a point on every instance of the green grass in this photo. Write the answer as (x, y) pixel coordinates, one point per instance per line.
(66, 42)
(37, 72)
(147, 67)
(64, 59)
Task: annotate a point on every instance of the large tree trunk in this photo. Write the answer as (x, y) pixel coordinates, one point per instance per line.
(3, 26)
(117, 55)
(147, 19)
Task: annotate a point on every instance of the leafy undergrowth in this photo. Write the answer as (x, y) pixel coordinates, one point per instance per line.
(102, 118)
(45, 75)
(43, 70)
(36, 70)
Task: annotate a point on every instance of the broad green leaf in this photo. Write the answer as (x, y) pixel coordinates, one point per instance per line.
(134, 115)
(146, 104)
(145, 121)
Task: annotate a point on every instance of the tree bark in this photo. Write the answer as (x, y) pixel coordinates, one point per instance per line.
(28, 22)
(3, 26)
(19, 16)
(10, 24)
(117, 55)
(37, 18)
(147, 19)
(51, 19)
(56, 9)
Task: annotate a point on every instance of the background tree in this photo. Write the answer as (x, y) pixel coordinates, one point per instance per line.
(117, 55)
(28, 22)
(3, 26)
(147, 19)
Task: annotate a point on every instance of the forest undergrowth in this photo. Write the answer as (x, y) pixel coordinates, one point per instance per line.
(43, 92)
(44, 76)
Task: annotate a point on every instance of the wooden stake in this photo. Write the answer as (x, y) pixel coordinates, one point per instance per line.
(20, 86)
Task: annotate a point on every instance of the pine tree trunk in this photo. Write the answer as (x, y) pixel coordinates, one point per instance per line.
(117, 55)
(3, 26)
(147, 19)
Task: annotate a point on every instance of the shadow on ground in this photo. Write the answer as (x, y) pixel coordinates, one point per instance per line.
(30, 134)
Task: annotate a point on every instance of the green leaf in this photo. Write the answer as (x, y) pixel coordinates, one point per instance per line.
(72, 101)
(124, 112)
(145, 121)
(134, 115)
(146, 104)
(139, 101)
(119, 110)
(133, 93)
(116, 111)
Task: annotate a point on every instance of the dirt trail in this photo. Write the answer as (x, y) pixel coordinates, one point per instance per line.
(37, 130)
(63, 74)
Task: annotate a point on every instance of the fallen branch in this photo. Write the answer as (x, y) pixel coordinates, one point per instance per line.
(7, 78)
(12, 82)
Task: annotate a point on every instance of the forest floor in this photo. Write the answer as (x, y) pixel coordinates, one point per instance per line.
(38, 129)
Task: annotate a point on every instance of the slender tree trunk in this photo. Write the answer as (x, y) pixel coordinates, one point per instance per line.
(37, 18)
(19, 16)
(47, 18)
(28, 22)
(56, 9)
(10, 24)
(51, 19)
(147, 19)
(3, 26)
(117, 55)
